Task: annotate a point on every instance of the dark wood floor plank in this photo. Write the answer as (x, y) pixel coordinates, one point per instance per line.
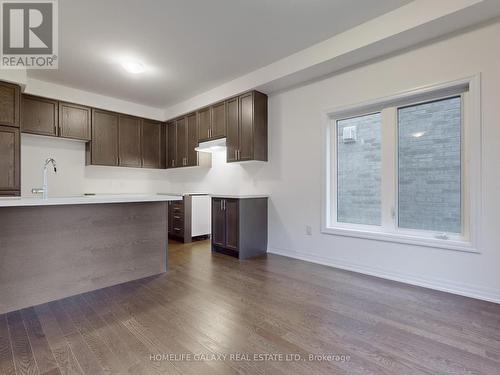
(191, 335)
(60, 347)
(166, 337)
(358, 365)
(92, 336)
(86, 358)
(41, 350)
(7, 366)
(217, 318)
(135, 348)
(23, 355)
(140, 332)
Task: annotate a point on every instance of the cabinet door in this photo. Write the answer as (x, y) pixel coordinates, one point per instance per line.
(204, 124)
(181, 157)
(39, 115)
(232, 139)
(10, 176)
(104, 147)
(151, 144)
(129, 141)
(74, 121)
(10, 97)
(246, 127)
(231, 208)
(218, 120)
(218, 223)
(171, 144)
(192, 140)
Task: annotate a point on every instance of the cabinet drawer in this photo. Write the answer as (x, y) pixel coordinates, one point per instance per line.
(177, 221)
(177, 231)
(178, 207)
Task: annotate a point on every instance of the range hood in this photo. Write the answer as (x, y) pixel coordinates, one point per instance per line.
(212, 146)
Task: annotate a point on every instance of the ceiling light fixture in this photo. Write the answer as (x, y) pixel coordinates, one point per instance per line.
(134, 67)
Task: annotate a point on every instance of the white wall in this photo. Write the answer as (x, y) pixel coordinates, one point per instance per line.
(73, 177)
(293, 174)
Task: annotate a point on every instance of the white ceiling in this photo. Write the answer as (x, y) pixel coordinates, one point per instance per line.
(189, 46)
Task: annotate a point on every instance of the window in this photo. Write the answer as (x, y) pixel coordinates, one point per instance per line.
(358, 170)
(407, 168)
(429, 173)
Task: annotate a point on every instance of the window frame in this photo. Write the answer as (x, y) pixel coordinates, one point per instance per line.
(471, 160)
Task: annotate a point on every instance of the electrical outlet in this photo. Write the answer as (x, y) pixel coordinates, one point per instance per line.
(308, 230)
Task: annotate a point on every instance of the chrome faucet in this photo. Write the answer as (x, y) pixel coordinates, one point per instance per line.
(45, 188)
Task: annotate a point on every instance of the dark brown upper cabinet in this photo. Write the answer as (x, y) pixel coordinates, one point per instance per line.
(212, 122)
(192, 140)
(103, 150)
(233, 132)
(151, 144)
(39, 115)
(247, 132)
(182, 132)
(171, 144)
(54, 118)
(10, 155)
(218, 121)
(10, 104)
(204, 124)
(129, 141)
(75, 121)
(182, 139)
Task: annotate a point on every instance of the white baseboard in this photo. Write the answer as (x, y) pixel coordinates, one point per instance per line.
(431, 283)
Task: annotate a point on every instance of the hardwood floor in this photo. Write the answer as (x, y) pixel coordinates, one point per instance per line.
(209, 304)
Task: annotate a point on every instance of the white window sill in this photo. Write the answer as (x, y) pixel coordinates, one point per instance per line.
(451, 244)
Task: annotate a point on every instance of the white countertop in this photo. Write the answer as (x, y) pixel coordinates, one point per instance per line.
(239, 196)
(90, 199)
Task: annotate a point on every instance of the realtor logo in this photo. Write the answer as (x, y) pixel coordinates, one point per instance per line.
(29, 34)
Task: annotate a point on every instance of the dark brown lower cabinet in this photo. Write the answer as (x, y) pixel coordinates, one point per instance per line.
(10, 166)
(179, 219)
(239, 226)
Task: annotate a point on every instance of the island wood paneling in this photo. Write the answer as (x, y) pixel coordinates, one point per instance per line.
(51, 252)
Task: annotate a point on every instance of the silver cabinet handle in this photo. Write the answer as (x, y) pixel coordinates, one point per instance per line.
(236, 154)
(221, 205)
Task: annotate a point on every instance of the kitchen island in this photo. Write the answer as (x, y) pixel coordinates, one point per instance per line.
(55, 248)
